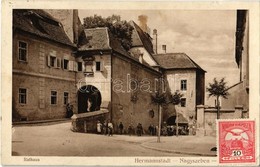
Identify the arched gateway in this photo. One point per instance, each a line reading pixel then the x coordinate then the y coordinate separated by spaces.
pixel 89 99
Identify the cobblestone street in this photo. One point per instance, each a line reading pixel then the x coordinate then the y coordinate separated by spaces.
pixel 59 140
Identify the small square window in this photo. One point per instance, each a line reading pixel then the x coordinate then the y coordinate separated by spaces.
pixel 65 98
pixel 98 66
pixel 22 51
pixel 22 96
pixel 65 64
pixel 53 97
pixel 183 84
pixel 183 102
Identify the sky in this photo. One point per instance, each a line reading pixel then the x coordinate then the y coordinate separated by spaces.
pixel 206 36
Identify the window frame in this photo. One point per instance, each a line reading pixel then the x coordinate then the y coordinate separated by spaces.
pixel 64 97
pixel 26 49
pixel 184 88
pixel 185 102
pixel 80 66
pixel 98 62
pixel 52 96
pixel 26 96
pixel 66 64
pixel 55 61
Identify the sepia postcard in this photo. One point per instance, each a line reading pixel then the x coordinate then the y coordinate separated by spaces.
pixel 141 83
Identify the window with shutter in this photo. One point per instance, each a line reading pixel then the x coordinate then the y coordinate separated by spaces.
pixel 61 63
pixel 71 65
pixel 58 62
pixel 49 61
pixel 102 66
pixel 65 64
pixel 75 66
pixel 53 61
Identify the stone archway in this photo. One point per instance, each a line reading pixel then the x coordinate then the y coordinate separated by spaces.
pixel 89 99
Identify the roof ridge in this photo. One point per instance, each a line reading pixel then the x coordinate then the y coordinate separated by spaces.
pixel 135 28
pixel 108 38
pixel 96 28
pixel 159 54
pixel 176 56
pixel 51 29
pixel 44 15
pixel 192 61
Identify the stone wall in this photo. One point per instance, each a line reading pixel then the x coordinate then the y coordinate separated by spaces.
pixel 132 107
pixel 87 122
pixel 239 95
pixel 206 120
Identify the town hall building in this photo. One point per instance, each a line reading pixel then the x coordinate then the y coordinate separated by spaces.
pixel 56 63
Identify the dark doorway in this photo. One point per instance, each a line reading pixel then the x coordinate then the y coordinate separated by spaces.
pixel 89 99
pixel 171 120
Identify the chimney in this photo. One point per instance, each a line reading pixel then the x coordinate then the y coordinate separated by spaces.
pixel 155 41
pixel 164 48
pixel 143 23
pixel 69 21
pixel 75 26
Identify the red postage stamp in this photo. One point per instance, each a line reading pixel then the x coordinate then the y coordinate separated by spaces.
pixel 236 141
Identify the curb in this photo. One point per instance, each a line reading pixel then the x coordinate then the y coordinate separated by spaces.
pixel 41 122
pixel 174 151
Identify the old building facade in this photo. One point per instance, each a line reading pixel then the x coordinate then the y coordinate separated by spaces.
pixel 183 75
pixel 56 63
pixel 43 75
pixel 118 76
pixel 239 92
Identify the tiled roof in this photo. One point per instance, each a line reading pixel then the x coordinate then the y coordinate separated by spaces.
pixel 101 38
pixel 40 23
pixel 140 38
pixel 176 61
pixel 95 39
